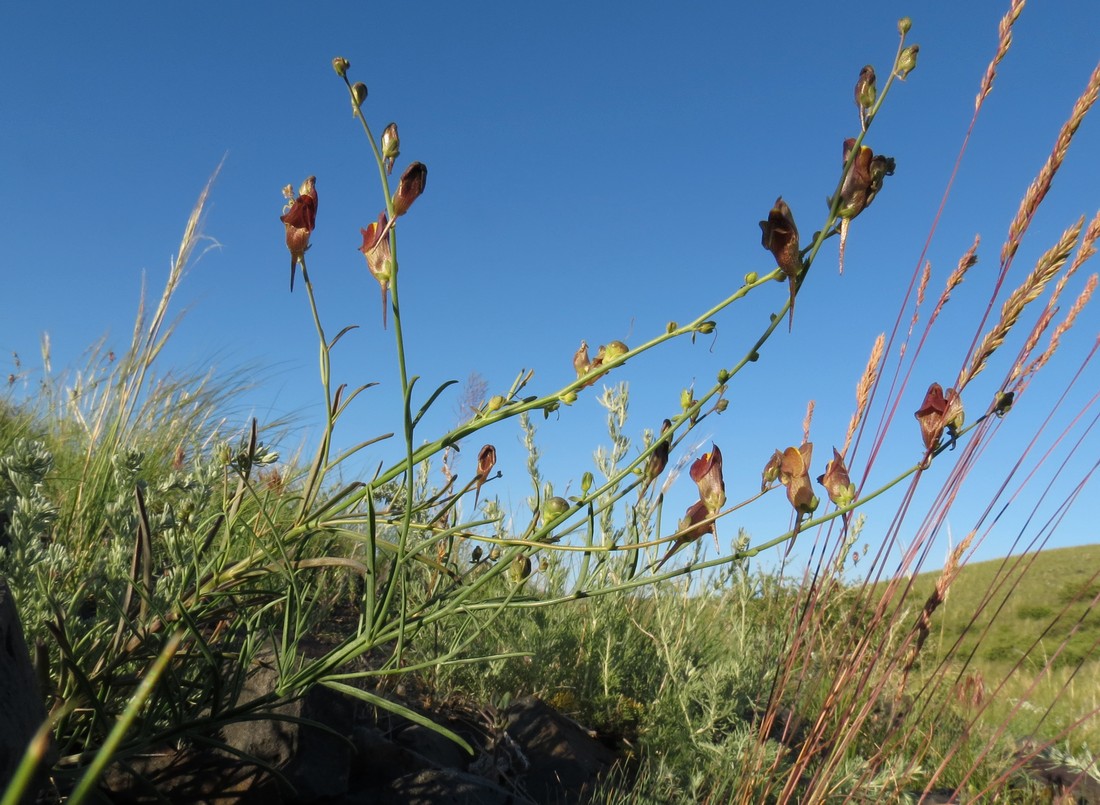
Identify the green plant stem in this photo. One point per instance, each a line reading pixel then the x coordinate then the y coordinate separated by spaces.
pixel 317 470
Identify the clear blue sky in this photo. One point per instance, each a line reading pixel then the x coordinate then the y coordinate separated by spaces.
pixel 595 170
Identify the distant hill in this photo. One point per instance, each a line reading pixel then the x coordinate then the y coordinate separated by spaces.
pixel 1034 597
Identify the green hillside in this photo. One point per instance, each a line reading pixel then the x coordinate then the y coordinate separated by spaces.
pixel 1047 596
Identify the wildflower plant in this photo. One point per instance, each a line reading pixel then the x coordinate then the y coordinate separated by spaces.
pixel 205 565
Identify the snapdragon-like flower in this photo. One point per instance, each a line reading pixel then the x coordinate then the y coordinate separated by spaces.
pixel 779 235
pixel 794 473
pixel 300 217
pixel 861 185
pixel 694 525
pixel 836 481
pixel 412 184
pixel 486 460
pixel 706 471
pixel 658 459
pixel 939 412
pixel 376 248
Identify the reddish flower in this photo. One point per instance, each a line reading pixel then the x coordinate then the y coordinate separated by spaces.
pixel 582 364
pixel 860 186
pixel 779 235
pixel 376 248
pixel 837 484
pixel 658 459
pixel 937 413
pixel 300 217
pixel 486 460
pixel 694 525
pixel 412 184
pixel 707 474
pixel 794 473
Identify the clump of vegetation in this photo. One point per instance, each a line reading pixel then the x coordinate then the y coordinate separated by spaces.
pixel 155 554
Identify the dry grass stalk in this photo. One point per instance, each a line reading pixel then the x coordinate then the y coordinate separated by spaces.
pixel 1004 30
pixel 806 422
pixel 1060 330
pixel 922 289
pixel 923 626
pixel 966 262
pixel 863 390
pixel 1084 252
pixel 1041 184
pixel 1030 290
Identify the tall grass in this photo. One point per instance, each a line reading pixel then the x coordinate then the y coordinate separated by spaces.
pixel 156 550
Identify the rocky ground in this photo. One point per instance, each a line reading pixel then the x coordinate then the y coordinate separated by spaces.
pixel 329 748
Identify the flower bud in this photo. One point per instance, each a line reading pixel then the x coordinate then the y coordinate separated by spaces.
pixel 586 483
pixel 391 146
pixel 520 569
pixel 751 277
pixel 907 61
pixel 721 405
pixel 494 553
pixel 496 402
pixel 670 328
pixel 554 507
pixel 904 24
pixel 706 328
pixel 723 376
pixel 613 350
pixel 686 399
pixel 770 474
pixel 358 93
pixel 866 92
pixel 341 65
pixel 569 397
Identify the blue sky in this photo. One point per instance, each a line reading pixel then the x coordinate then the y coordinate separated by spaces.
pixel 595 170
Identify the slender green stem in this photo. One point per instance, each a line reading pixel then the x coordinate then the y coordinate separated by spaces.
pixel 317 470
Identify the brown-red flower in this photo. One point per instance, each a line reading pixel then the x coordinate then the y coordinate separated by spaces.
pixel 486 460
pixel 938 412
pixel 412 184
pixel 706 471
pixel 300 218
pixel 794 473
pixel 694 525
pixel 836 481
pixel 779 235
pixel 376 248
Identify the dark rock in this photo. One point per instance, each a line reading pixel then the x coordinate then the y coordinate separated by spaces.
pixel 172 775
pixel 439 749
pixel 314 760
pixel 1067 784
pixel 21 707
pixel 565 762
pixel 443 787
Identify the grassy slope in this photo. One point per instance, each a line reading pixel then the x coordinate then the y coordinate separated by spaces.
pixel 1040 599
pixel 1025 594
